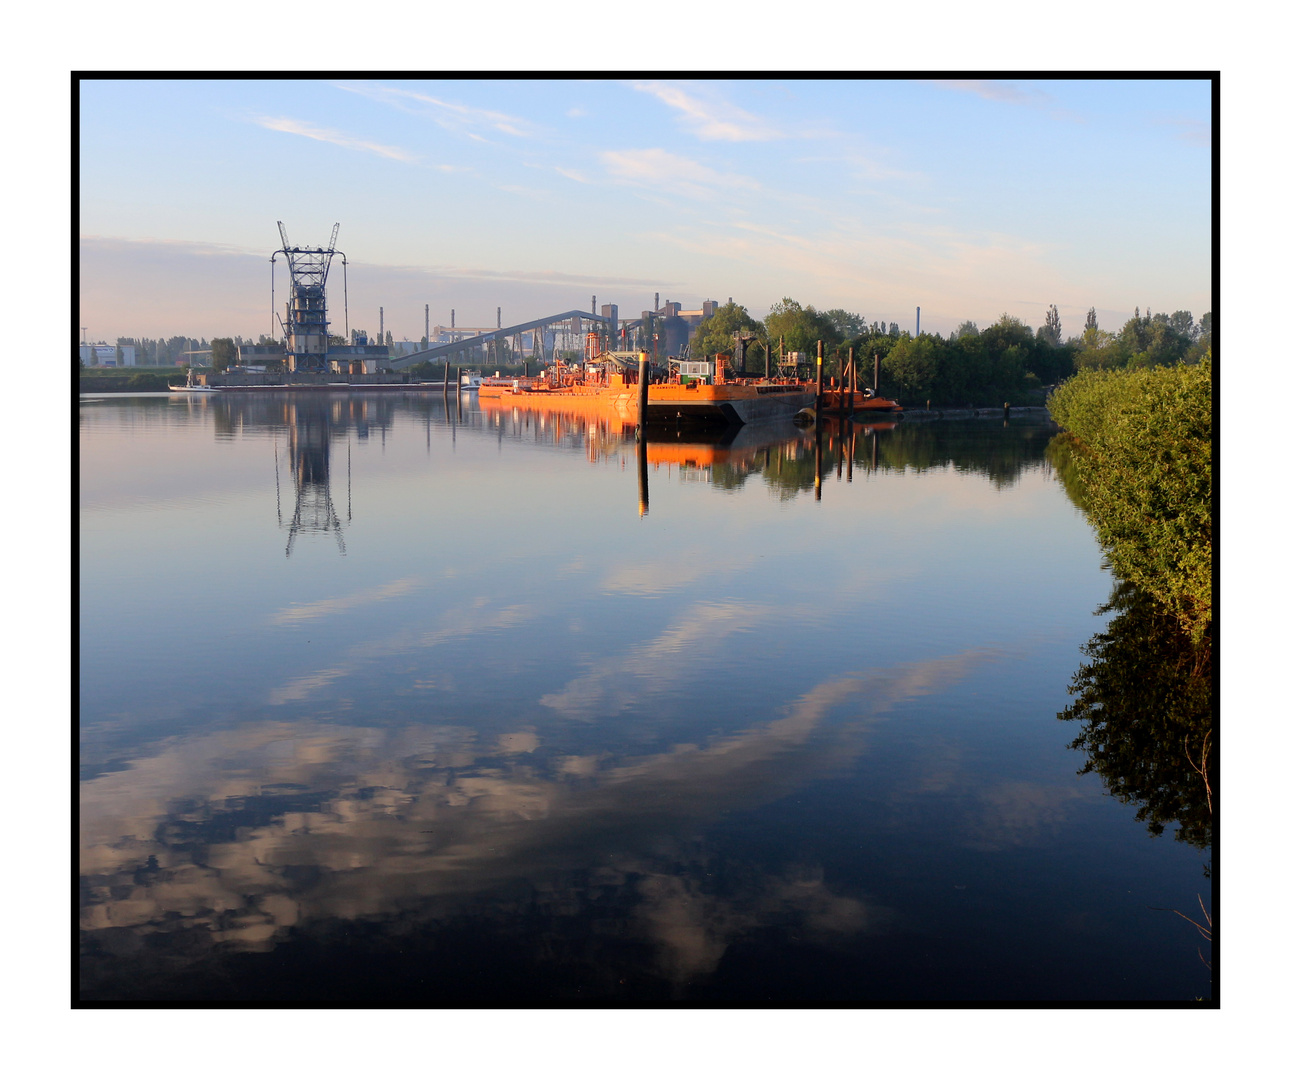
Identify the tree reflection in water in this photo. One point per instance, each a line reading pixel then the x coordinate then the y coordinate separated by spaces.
pixel 1144 705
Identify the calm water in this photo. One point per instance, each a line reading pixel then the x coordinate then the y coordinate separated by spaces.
pixel 384 700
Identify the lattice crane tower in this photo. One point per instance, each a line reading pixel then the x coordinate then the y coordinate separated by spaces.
pixel 305 328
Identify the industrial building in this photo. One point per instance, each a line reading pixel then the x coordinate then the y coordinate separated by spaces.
pixel 103 355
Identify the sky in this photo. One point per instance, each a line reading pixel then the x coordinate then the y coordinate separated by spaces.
pixel 966 198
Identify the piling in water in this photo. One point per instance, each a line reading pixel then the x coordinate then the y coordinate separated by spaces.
pixel 643 393
pixel 820 376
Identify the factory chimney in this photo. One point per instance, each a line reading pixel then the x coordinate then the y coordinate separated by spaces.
pixel 916 322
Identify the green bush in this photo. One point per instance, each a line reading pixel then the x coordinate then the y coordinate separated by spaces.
pixel 1144 440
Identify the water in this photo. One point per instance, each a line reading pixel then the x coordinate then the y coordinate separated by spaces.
pixel 383 699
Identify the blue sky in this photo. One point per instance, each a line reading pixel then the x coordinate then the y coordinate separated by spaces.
pixel 967 198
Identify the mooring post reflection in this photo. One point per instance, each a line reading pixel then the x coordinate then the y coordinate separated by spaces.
pixel 819 451
pixel 643 477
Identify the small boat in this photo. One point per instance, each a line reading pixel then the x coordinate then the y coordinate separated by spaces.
pixel 192 387
pixel 471 379
pixel 864 400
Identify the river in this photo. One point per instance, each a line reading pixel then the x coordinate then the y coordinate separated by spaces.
pixel 383 698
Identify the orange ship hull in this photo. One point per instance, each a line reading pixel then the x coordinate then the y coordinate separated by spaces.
pixel 666 403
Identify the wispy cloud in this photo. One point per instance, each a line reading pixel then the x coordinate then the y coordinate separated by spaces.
pixel 707 117
pixel 681 176
pixel 330 135
pixel 572 174
pixel 1009 94
pixel 1194 131
pixel 543 277
pixel 994 90
pixel 448 114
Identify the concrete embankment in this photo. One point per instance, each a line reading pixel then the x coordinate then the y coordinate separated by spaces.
pixel 1016 412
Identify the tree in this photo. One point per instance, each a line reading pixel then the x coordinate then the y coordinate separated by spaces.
pixel 847 323
pixel 1091 320
pixel 913 364
pixel 717 333
pixel 1052 330
pixel 223 353
pixel 800 327
pixel 965 329
pixel 1181 322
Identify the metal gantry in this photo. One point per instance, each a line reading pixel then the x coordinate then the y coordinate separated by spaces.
pixel 305 328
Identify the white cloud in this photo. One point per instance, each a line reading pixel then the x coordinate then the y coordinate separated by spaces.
pixel 663 169
pixel 709 118
pixel 448 114
pixel 328 135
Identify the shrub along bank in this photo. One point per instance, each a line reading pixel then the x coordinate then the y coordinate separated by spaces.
pixel 1142 442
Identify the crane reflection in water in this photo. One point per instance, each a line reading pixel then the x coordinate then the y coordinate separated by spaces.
pixel 309 435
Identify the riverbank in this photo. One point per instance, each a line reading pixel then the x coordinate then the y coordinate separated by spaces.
pixel 1029 412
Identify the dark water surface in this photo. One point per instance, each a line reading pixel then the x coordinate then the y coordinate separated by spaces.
pixel 383 701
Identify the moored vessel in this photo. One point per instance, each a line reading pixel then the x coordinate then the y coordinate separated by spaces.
pixel 696 393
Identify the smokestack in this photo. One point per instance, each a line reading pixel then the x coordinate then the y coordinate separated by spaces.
pixel 499 318
pixel 452 319
pixel 916 322
pixel 656 301
pixel 593 303
pixel 383 325
pixel 427 324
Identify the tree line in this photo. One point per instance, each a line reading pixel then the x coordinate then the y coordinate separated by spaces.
pixel 1007 361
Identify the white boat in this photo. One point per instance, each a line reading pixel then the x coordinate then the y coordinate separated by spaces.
pixel 192 387
pixel 470 380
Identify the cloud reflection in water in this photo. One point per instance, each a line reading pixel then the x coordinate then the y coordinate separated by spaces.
pixel 238 838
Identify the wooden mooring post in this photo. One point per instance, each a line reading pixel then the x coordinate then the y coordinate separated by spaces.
pixel 643 393
pixel 820 376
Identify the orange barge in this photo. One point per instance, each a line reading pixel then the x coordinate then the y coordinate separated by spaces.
pixel 698 394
